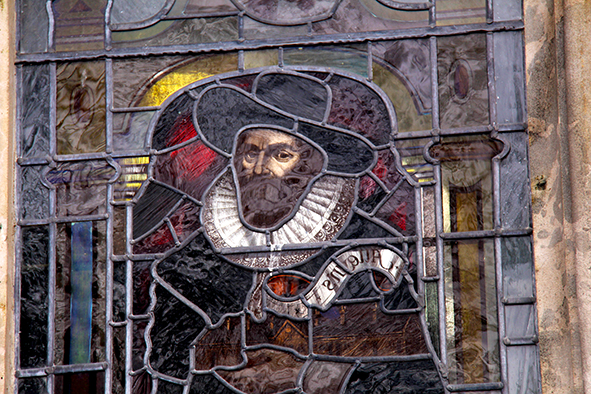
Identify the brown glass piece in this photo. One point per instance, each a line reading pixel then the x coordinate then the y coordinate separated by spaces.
pixel 80 107
pixel 267 371
pixel 273 170
pixel 79 24
pixel 278 331
pixel 220 346
pixel 81 187
pixel 463 81
pixel 326 377
pixel 362 330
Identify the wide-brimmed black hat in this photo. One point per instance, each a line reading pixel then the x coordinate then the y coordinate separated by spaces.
pixel 295 101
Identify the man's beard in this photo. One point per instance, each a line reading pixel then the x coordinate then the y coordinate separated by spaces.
pixel 266 201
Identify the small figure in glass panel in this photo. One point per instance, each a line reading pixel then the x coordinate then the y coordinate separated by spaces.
pixel 282 230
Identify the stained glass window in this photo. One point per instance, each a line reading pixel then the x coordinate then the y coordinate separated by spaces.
pixel 247 196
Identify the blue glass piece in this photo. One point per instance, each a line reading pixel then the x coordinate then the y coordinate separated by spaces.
pixel 523 369
pixel 34 26
pixel 507 10
pixel 34 297
pixel 34 110
pixel 32 386
pixel 515 188
pixel 81 298
pixel 520 321
pixel 508 62
pixel 517 267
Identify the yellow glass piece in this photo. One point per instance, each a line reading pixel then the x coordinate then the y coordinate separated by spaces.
pixel 382 11
pixel 187 74
pixel 135 177
pixel 136 160
pixel 409 118
pixel 460 12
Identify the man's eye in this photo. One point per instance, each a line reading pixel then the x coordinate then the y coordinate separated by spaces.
pixel 250 156
pixel 283 156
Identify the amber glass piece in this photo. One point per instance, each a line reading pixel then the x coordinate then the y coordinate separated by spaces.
pixel 471 307
pixel 466 181
pixel 79 24
pixel 463 81
pixel 81 266
pixel 460 12
pixel 80 107
pixel 363 330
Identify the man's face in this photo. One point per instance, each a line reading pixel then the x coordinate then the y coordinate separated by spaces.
pixel 273 170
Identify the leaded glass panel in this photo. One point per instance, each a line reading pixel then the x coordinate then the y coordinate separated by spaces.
pixel 246 196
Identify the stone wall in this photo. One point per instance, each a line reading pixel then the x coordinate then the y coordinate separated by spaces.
pixel 6 195
pixel 558 60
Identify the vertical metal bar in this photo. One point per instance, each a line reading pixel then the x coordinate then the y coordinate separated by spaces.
pixel 17 235
pixel 109 292
pixel 489 11
pixel 241 26
pixel 108 45
pixel 51 27
pixel 109 105
pixel 438 205
pixel 433 14
pixel 497 213
pixel 280 57
pixel 419 244
pixel 492 91
pixel 369 62
pixel 241 60
pixel 129 303
pixel 52 226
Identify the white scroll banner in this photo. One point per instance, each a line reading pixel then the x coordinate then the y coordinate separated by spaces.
pixel 334 277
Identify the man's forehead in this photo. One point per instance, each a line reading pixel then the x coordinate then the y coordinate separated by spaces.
pixel 265 137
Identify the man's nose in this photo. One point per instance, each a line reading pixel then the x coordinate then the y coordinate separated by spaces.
pixel 261 163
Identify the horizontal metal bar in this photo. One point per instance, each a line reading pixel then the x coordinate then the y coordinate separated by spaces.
pixel 533 340
pixel 341 38
pixel 199 16
pixel 430 278
pixel 61 369
pixel 485 234
pixel 519 300
pixel 133 109
pixel 475 386
pixel 68 219
pixel 377 359
pixel 131 153
pixel 33 161
pixel 512 127
pixel 316 245
pixel 443 132
pixel 81 156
